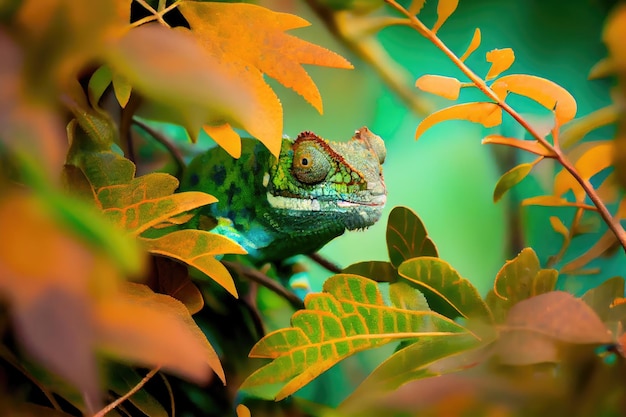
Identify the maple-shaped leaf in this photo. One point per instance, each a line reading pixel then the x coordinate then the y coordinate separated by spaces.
pixel 249 41
pixel 348 317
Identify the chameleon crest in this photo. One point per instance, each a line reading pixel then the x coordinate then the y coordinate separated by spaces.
pixel 313 192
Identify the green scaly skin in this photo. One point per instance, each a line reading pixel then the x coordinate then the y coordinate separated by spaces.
pixel 294 205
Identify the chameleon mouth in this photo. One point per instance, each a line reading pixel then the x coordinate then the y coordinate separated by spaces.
pixel 313 205
pixel 375 201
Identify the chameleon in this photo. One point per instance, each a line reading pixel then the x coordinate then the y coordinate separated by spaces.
pixel 276 208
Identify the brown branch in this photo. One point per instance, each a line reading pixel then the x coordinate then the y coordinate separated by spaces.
pixel 325 263
pixel 173 150
pixel 608 218
pixel 265 281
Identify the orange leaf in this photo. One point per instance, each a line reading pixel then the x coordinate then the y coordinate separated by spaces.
pixel 559 227
pixel 603 244
pixel 596 158
pixel 445 8
pixel 614 35
pixel 198 248
pixel 474 44
pixel 501 60
pixel 487 114
pixel 155 330
pixel 226 137
pixel 249 41
pixel 550 95
pixel 447 87
pixel 531 146
pixel 552 201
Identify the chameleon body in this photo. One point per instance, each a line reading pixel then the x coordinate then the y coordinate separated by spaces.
pixel 277 208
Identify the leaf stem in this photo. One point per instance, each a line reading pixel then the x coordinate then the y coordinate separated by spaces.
pixel 608 218
pixel 129 394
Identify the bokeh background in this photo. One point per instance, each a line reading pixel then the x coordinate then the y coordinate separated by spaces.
pixel 448 177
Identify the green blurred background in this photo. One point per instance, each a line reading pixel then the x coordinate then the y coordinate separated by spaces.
pixel 447 176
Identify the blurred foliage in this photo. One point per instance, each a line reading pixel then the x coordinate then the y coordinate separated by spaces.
pixel 102 290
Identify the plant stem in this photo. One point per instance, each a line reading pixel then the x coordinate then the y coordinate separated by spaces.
pixel 608 218
pixel 129 394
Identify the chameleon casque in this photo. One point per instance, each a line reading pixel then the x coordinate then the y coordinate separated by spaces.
pixel 277 208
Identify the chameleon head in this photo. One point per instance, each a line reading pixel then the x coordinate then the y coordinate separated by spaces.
pixel 321 182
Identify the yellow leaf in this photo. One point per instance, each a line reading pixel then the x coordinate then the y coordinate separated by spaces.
pixel 487 114
pixel 559 227
pixel 249 41
pixel 447 87
pixel 155 330
pixel 597 157
pixel 577 129
pixel 198 248
pixel 614 35
pixel 602 69
pixel 553 201
pixel 474 44
pixel 445 8
pixel 226 137
pixel 545 92
pixel 501 60
pixel 242 411
pixel 531 146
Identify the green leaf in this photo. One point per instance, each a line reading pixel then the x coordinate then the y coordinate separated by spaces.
pixel 601 297
pixel 122 379
pixel 137 218
pixel 517 280
pixel 121 88
pixel 446 291
pixel 414 362
pixel 402 295
pixel 105 168
pixel 98 83
pixel 407 237
pixel 198 248
pixel 349 316
pixel 510 179
pixel 146 187
pixel 379 271
pixel 534 327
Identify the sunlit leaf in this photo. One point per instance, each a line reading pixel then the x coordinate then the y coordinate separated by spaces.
pixel 416 6
pixel 407 237
pixel 226 138
pixel 474 44
pixel 146 187
pixel 545 92
pixel 531 146
pixel 403 296
pixel 519 279
pixel 379 271
pixel 445 8
pixel 446 291
pixel 509 179
pixel 553 201
pixel 349 316
pixel 487 114
pixel 155 330
pixel 262 47
pixel 606 242
pixel 198 248
pixel 139 217
pixel 501 60
pixel 446 87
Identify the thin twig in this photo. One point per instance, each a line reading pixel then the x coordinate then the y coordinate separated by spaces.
pixel 173 150
pixel 325 263
pixel 129 394
pixel 265 281
pixel 608 218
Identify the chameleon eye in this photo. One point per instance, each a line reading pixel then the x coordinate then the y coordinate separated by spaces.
pixel 310 165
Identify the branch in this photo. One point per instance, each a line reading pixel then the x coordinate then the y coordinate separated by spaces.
pixel 129 394
pixel 608 218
